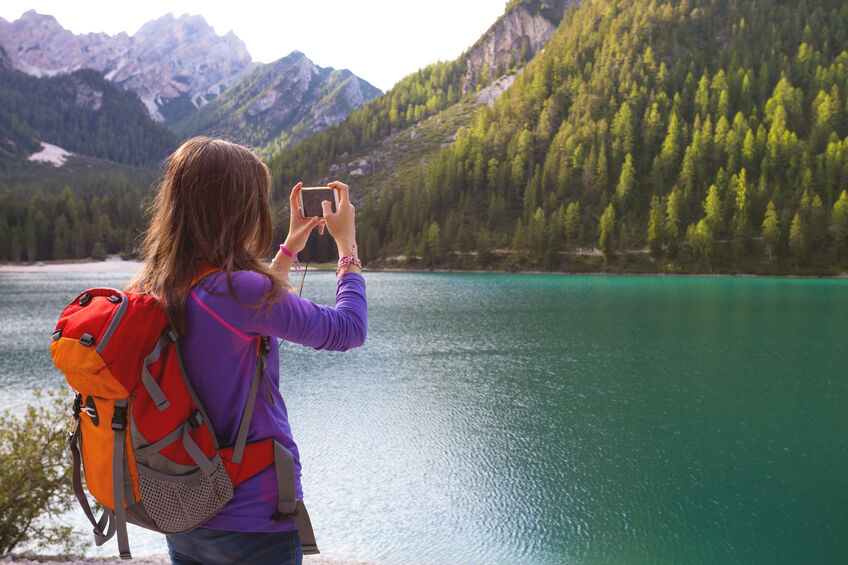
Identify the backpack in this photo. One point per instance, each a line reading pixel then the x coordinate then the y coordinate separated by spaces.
pixel 148 449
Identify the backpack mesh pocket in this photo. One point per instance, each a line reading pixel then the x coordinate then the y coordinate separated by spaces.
pixel 179 503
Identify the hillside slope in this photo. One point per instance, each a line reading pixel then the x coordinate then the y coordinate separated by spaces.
pixel 81 112
pixel 711 133
pixel 368 134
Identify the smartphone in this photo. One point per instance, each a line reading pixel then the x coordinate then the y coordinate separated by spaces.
pixel 309 200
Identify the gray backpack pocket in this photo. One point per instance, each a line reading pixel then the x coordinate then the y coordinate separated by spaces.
pixel 179 503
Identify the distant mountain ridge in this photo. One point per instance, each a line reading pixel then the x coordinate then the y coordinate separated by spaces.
pixel 178 66
pixel 281 103
pixel 175 65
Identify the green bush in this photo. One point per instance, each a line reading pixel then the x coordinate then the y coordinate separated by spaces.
pixel 35 476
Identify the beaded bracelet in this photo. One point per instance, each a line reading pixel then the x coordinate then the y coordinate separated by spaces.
pixel 346 261
pixel 293 256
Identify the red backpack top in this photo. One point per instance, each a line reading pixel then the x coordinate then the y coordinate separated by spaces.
pixel 149 451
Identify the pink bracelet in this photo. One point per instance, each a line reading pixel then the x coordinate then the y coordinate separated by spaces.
pixel 293 256
pixel 346 261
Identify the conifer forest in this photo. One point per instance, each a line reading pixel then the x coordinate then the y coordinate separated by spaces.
pixel 647 136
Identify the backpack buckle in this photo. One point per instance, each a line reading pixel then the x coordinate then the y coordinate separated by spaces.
pixel 172 335
pixel 77 406
pixel 119 420
pixel 90 408
pixel 195 420
pixel 280 517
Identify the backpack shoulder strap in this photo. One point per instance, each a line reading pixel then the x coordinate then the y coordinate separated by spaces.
pixel 247 414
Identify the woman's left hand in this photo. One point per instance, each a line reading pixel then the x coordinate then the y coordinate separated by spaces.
pixel 300 227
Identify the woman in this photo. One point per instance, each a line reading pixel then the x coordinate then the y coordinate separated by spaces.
pixel 212 212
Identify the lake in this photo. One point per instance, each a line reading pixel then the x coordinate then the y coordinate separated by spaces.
pixel 549 419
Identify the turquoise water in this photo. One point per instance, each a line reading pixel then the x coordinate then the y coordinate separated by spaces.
pixel 550 419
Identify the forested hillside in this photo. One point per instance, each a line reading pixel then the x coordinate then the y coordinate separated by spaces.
pixel 81 112
pixel 647 135
pixel 685 135
pixel 86 208
pixel 413 100
pixel 89 206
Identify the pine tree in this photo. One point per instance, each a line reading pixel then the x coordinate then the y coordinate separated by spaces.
pixel 741 222
pixel 519 237
pixel 771 231
pixel 626 180
pixel 797 246
pixel 537 237
pixel 818 226
pixel 655 227
pixel 572 221
pixel 839 224
pixel 702 96
pixel 622 132
pixel 607 237
pixel 670 152
pixel 672 222
pixel 702 240
pixel 431 248
pixel 712 209
pixel 749 150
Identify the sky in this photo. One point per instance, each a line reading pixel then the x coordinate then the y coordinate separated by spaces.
pixel 381 41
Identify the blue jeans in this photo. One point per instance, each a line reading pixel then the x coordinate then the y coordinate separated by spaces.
pixel 212 547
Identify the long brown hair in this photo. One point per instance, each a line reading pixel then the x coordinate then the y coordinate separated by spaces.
pixel 212 208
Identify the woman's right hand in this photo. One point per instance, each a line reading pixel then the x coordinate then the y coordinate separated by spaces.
pixel 299 227
pixel 341 223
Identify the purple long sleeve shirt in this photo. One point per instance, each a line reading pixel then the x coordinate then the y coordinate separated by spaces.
pixel 220 356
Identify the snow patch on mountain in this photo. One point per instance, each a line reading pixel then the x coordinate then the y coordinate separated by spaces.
pixel 52 154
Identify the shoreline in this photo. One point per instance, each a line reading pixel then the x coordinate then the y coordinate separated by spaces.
pixel 114 264
pixel 161 559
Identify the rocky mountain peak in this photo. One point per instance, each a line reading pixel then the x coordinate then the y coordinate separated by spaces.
pixel 174 64
pixel 44 21
pixel 514 38
pixel 280 103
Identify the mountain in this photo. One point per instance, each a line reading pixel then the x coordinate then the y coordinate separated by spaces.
pixel 488 66
pixel 175 65
pixel 646 135
pixel 382 145
pixel 80 112
pixel 516 36
pixel 280 103
pixel 73 101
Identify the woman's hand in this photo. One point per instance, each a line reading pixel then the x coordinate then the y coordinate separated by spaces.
pixel 299 227
pixel 341 223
